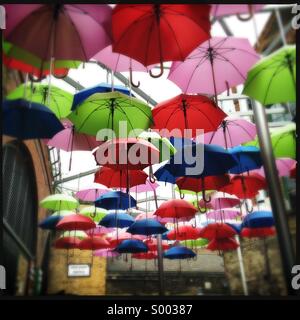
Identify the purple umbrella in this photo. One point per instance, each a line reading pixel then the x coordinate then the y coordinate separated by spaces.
pixel 215 66
pixel 90 195
pixel 119 62
pixel 231 133
pixel 147 187
pixel 218 10
pixel 227 214
pixel 284 166
pixel 60 31
pixel 105 253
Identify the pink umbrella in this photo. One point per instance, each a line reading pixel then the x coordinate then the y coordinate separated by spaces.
pixel 119 62
pixel 220 215
pixel 220 202
pixel 218 10
pixel 231 133
pixel 215 66
pixel 105 253
pixel 99 231
pixel 284 166
pixel 90 195
pixel 147 187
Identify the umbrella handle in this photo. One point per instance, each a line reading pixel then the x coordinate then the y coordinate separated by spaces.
pixel 247 207
pixel 247 18
pixel 181 195
pixel 32 79
pixel 152 178
pixel 62 76
pixel 160 73
pixel 194 225
pixel 206 200
pixel 131 81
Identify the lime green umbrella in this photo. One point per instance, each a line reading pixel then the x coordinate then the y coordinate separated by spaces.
pixel 199 243
pixel 74 233
pixel 106 110
pixel 63 213
pixel 58 202
pixel 165 147
pixel 273 78
pixel 95 213
pixel 60 101
pixel 283 141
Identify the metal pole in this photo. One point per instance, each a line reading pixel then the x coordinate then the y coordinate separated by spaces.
pixel 241 264
pixel 280 26
pixel 276 196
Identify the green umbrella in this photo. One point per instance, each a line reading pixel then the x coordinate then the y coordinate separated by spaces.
pixel 17 53
pixel 106 110
pixel 283 141
pixel 199 243
pixel 59 202
pixel 60 101
pixel 165 147
pixel 273 78
pixel 63 213
pixel 95 213
pixel 74 233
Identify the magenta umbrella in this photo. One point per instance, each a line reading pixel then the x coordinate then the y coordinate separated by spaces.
pixel 224 214
pixel 105 253
pixel 284 166
pixel 231 133
pixel 146 187
pixel 218 10
pixel 99 231
pixel 120 63
pixel 215 66
pixel 90 195
pixel 220 202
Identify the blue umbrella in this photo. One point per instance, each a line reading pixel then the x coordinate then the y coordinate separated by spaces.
pixel 215 161
pixel 80 96
pixel 179 253
pixel 131 246
pixel 236 226
pixel 117 220
pixel 29 120
pixel 147 227
pixel 248 158
pixel 115 200
pixel 50 222
pixel 258 219
pixel 164 175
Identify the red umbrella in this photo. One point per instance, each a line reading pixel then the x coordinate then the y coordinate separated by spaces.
pixel 75 222
pixel 153 33
pixel 258 232
pixel 217 231
pixel 67 243
pixel 145 255
pixel 176 208
pixel 127 153
pixel 152 244
pixel 225 244
pixel 187 112
pixel 93 243
pixel 184 233
pixel 120 178
pixel 245 187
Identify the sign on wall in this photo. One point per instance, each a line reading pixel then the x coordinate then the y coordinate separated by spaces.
pixel 79 270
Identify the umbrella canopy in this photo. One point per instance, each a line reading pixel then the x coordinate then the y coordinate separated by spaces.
pixel 179 253
pixel 115 200
pixel 145 187
pixel 63 30
pixel 120 178
pixel 59 202
pixel 28 120
pixel 174 116
pixel 199 243
pixel 215 66
pixel 293 172
pixel 258 232
pixel 153 33
pixel 106 110
pixel 75 233
pixel 231 133
pixel 152 244
pixel 273 78
pixel 127 154
pixel 150 255
pixel 163 174
pixel 217 231
pixel 75 222
pixel 99 231
pixel 226 244
pixel 220 202
pixel 219 10
pixel 131 246
pixel 258 219
pixel 236 226
pixel 245 187
pixel 283 165
pixel 147 227
pixel 95 213
pixel 67 243
pixel 90 195
pixel 176 208
pixel 50 222
pixel 247 158
pixel 93 243
pixel 59 100
pixel 117 220
pixel 224 214
pixel 105 253
pixel 184 233
pixel 103 87
pixel 117 237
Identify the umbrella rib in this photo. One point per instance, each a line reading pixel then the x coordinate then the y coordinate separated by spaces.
pixel 243 128
pixel 198 109
pixel 86 119
pixel 169 118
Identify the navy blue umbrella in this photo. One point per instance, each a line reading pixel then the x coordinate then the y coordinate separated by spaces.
pixel 147 227
pixel 131 246
pixel 164 175
pixel 117 220
pixel 115 200
pixel 50 222
pixel 29 120
pixel 179 253
pixel 203 159
pixel 248 158
pixel 258 219
pixel 80 96
pixel 236 226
